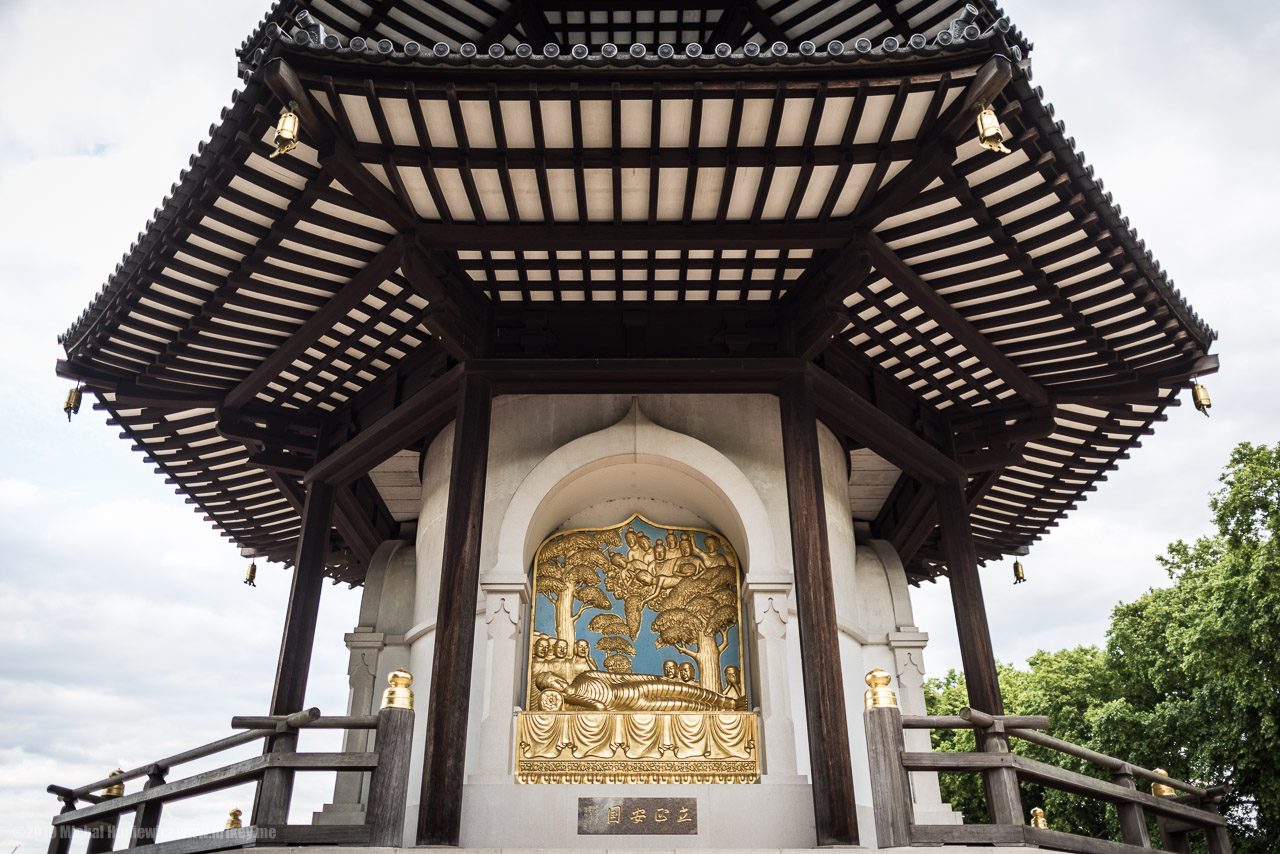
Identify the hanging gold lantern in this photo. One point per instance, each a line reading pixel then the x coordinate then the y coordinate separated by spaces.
pixel 989 133
pixel 1019 573
pixel 72 406
pixel 251 576
pixel 1200 397
pixel 286 130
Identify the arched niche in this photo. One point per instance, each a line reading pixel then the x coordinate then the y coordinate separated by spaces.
pixel 632 466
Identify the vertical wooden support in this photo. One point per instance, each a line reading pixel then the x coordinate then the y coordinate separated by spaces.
pixel 60 837
pixel 389 788
pixel 440 806
pixel 275 792
pixel 1173 841
pixel 1133 821
pixel 304 601
pixel 976 653
pixel 1217 838
pixel 1004 801
pixel 890 787
pixel 103 833
pixel 835 819
pixel 146 820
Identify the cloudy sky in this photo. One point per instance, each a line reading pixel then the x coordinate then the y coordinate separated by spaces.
pixel 127 633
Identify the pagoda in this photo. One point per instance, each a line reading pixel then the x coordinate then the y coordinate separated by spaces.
pixel 637 358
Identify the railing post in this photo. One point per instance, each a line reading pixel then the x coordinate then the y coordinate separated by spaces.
pixel 147 819
pixel 1004 801
pixel 1133 820
pixel 276 790
pixel 1175 841
pixel 103 833
pixel 1219 841
pixel 890 786
pixel 60 836
pixel 389 788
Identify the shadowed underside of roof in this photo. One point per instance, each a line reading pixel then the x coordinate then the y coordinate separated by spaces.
pixel 1004 296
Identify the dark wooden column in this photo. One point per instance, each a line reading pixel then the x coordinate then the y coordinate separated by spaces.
pixel 304 601
pixel 835 820
pixel 440 807
pixel 976 653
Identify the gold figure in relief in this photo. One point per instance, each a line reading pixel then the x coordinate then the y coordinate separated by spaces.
pixel 605 704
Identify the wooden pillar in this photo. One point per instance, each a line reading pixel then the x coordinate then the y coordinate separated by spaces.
pixel 1133 820
pixel 976 653
pixel 389 788
pixel 836 821
pixel 304 601
pixel 890 786
pixel 440 806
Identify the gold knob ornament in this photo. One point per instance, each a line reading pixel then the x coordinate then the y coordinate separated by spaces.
pixel 399 695
pixel 115 790
pixel 880 695
pixel 234 821
pixel 1160 790
pixel 1038 820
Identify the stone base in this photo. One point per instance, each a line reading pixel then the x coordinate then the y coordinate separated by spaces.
pixel 339 814
pixel 777 816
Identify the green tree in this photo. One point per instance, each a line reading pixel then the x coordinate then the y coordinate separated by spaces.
pixel 1189 679
pixel 569 571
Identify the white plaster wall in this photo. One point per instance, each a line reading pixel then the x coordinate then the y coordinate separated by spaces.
pixel 561 461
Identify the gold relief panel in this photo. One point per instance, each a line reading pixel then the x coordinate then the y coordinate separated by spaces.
pixel 635 663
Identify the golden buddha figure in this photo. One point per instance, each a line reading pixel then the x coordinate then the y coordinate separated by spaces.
pixel 599 691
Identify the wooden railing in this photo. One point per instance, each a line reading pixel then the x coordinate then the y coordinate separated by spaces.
pixel 273 771
pixel 1177 816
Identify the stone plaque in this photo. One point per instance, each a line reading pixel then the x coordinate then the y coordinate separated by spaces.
pixel 638 816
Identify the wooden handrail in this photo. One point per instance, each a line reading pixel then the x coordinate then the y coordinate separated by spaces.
pixel 1105 761
pixel 333 722
pixel 957 722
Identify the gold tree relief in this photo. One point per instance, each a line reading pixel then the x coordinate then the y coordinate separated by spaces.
pixel 695 616
pixel 569 572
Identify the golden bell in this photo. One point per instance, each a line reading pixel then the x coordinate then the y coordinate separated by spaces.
pixel 116 790
pixel 399 695
pixel 879 695
pixel 234 821
pixel 1199 396
pixel 1019 574
pixel 251 576
pixel 286 130
pixel 1160 790
pixel 989 133
pixel 1037 819
pixel 72 406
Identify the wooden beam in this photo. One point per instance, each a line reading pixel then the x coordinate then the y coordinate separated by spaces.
pixel 861 420
pixel 938 155
pixel 976 653
pixel 304 602
pixel 423 412
pixel 321 323
pixel 336 156
pixel 835 819
pixel 458 315
pixel 638 236
pixel 444 757
pixel 816 312
pixel 934 305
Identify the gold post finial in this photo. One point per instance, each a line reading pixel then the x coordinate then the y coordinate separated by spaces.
pixel 1038 820
pixel 399 695
pixel 234 821
pixel 1160 790
pixel 880 695
pixel 116 790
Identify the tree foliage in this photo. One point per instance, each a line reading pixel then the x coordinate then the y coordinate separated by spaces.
pixel 1189 679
